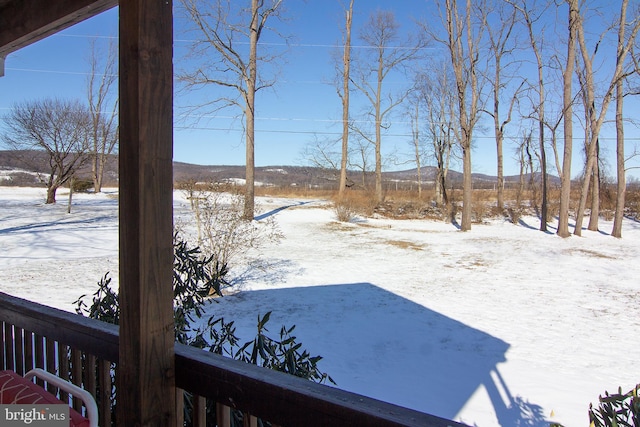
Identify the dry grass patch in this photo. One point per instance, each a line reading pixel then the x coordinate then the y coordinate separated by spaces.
pixel 339 226
pixel 403 244
pixel 591 253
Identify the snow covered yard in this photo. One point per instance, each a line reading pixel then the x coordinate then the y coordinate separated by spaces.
pixel 503 325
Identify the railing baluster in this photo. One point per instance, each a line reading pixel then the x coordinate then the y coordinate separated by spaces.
pixel 63 368
pixel 249 420
pixel 76 374
pixel 179 407
pixel 223 414
pixel 50 346
pixel 199 411
pixel 2 350
pixel 38 350
pixel 90 374
pixel 104 401
pixel 28 351
pixel 8 346
pixel 19 344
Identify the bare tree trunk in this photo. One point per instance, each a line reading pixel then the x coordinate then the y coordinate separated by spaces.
pixel 541 113
pixel 585 77
pixel 378 131
pixel 586 182
pixel 51 195
pixel 464 64
pixel 595 193
pixel 532 182
pixel 565 191
pixel 499 38
pixel 438 98
pixel 621 186
pixel 104 128
pixel 346 66
pixel 96 173
pixel 378 174
pixel 467 189
pixel 523 168
pixel 249 196
pixel 221 30
pixel 415 133
pixel 544 204
pixel 71 182
pixel 623 47
pixel 500 161
pixel 438 187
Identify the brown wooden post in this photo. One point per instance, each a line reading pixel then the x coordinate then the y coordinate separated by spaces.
pixel 145 374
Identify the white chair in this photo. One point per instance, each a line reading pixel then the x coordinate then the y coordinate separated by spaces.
pixel 86 397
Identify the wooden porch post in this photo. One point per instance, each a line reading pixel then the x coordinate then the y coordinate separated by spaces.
pixel 146 375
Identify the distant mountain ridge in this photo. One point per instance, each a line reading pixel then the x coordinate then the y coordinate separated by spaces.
pixel 25 167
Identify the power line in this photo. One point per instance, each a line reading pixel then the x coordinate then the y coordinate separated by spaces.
pixel 281 44
pixel 34 70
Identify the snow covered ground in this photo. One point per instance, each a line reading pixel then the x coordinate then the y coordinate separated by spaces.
pixel 499 326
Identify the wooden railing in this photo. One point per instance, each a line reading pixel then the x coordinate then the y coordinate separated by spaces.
pixel 85 351
pixel 74 348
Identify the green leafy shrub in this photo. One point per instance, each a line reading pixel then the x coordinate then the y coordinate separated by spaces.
pixel 617 410
pixel 193 282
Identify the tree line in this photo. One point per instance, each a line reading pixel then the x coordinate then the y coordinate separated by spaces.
pixel 477 73
pixel 532 72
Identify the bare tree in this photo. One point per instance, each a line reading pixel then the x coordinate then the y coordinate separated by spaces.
pixel 501 44
pixel 380 34
pixel 525 160
pixel 103 109
pixel 596 118
pixel 57 127
pixel 463 36
pixel 539 110
pixel 344 97
pixel 621 184
pixel 567 103
pixel 588 110
pixel 322 153
pixel 414 115
pixel 620 151
pixel 438 100
pixel 223 30
pixel 362 152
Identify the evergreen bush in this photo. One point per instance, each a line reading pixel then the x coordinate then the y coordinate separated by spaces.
pixel 617 410
pixel 192 285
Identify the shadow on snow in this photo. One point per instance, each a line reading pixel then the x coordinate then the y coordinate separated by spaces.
pixel 275 211
pixel 376 341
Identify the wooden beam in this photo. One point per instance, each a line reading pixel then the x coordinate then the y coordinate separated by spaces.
pixel 146 374
pixel 23 22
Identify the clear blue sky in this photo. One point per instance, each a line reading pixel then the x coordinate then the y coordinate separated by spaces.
pixel 301 108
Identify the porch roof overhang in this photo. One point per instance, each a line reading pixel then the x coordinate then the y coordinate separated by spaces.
pixel 23 22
